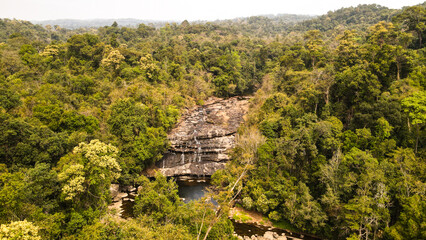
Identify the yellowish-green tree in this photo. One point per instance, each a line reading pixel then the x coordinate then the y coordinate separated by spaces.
pixel 19 230
pixel 150 67
pixel 88 172
pixel 113 59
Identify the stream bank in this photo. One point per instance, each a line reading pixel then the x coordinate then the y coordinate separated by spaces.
pixel 194 188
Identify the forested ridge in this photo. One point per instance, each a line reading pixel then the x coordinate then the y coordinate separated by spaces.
pixel 333 144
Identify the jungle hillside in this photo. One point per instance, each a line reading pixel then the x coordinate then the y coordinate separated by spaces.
pixel 333 143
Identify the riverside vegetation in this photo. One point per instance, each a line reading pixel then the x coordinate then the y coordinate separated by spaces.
pixel 333 144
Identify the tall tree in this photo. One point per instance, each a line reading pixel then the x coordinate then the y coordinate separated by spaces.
pixel 415 106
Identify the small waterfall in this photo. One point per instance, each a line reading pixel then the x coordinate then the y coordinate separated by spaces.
pixel 182 156
pixel 201 123
pixel 200 141
pixel 197 157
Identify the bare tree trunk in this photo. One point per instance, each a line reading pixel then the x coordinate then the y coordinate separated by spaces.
pixel 420 38
pixel 201 227
pixel 219 211
pixel 327 95
pixel 417 137
pixel 207 232
pixel 398 70
pixel 374 234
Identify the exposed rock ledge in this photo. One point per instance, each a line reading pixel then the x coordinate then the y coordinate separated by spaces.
pixel 188 169
pixel 267 236
pixel 200 143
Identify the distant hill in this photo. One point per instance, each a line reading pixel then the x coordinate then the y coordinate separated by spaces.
pixel 95 23
pixel 360 17
pixel 265 24
pixel 271 22
pixel 20 28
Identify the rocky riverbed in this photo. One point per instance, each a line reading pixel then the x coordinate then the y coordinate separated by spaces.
pixel 123 200
pixel 267 236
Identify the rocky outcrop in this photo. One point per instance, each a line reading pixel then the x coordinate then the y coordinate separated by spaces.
pixel 267 236
pixel 200 143
pixel 122 200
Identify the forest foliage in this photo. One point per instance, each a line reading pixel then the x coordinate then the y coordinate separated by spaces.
pixel 334 142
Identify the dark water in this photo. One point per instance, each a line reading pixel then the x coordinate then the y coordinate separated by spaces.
pixel 192 189
pixel 127 208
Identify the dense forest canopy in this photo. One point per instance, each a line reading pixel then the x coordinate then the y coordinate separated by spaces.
pixel 333 145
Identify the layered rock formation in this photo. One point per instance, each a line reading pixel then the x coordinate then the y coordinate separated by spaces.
pixel 201 141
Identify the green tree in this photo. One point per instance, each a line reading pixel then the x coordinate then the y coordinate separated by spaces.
pixel 367 210
pixel 158 199
pixel 413 19
pixel 141 132
pixel 9 99
pixel 415 106
pixel 411 221
pixel 348 52
pixel 315 46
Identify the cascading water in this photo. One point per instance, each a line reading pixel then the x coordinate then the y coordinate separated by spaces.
pixel 200 143
pixel 197 157
pixel 183 156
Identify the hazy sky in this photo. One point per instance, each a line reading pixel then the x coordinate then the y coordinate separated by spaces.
pixel 175 9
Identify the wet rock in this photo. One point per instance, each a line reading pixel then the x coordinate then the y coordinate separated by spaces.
pixel 116 207
pixel 269 235
pixel 199 169
pixel 119 196
pixel 200 143
pixel 127 188
pixel 114 189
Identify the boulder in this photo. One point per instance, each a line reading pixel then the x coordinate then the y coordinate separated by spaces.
pixel 120 196
pixel 269 235
pixel 114 190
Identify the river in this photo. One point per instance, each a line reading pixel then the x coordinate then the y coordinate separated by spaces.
pixel 195 188
pixel 192 189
